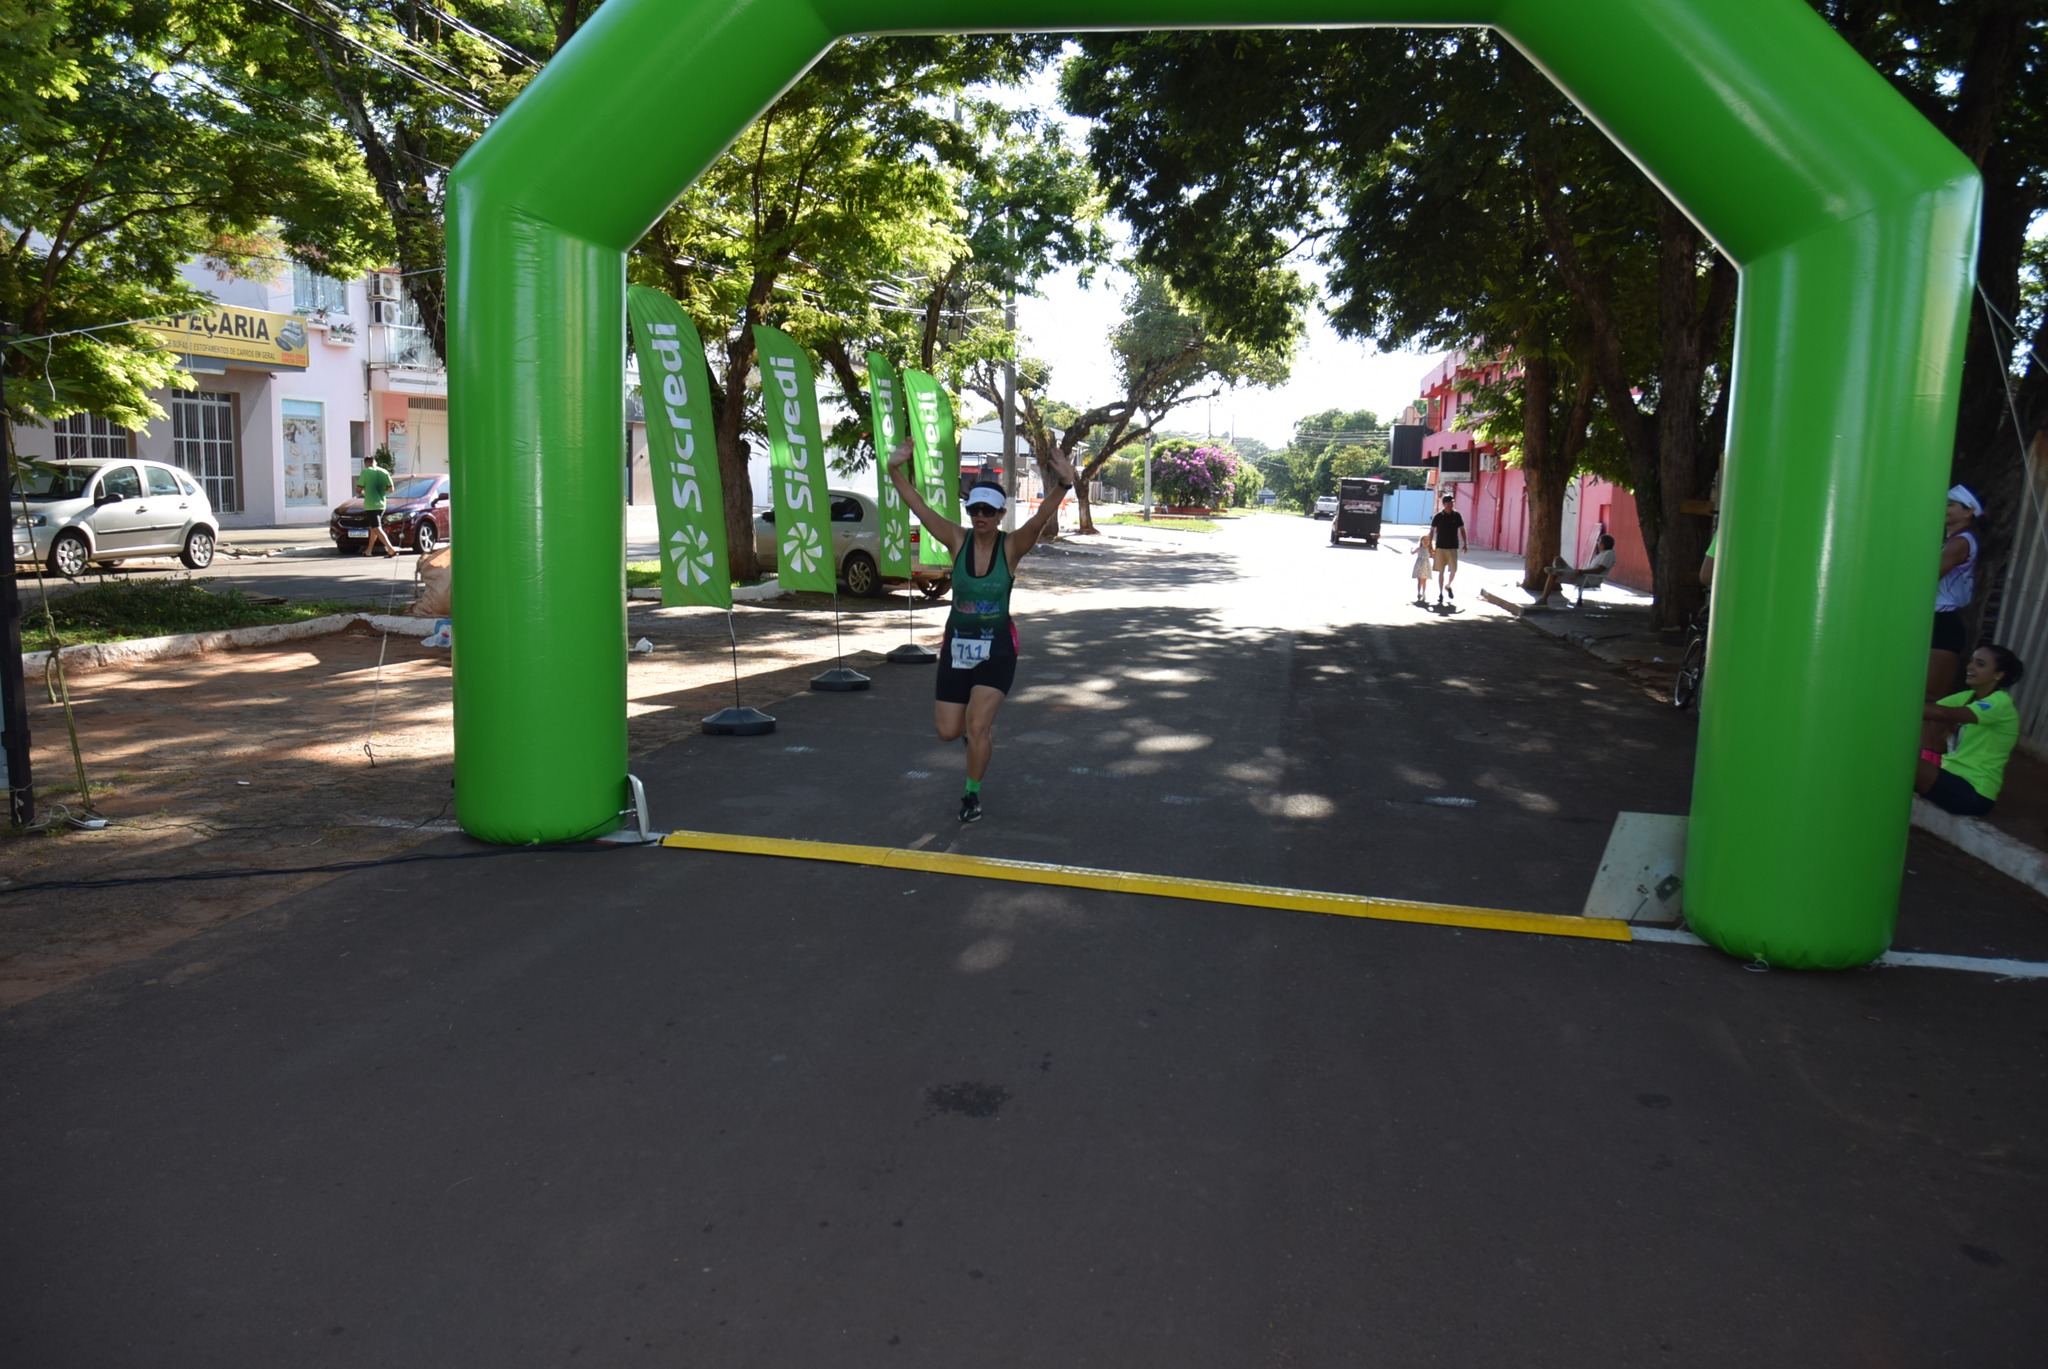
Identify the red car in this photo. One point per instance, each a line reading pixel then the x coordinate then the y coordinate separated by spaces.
pixel 415 516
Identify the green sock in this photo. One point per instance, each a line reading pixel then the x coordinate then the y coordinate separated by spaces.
pixel 974 786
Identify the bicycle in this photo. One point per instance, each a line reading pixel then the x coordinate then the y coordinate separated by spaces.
pixel 1692 666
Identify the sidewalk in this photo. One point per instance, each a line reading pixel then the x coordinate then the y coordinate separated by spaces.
pixel 305 539
pixel 643 537
pixel 1614 626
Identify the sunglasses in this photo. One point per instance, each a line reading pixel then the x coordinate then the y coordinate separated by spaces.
pixel 983 511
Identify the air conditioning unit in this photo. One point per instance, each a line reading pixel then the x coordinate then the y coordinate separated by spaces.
pixel 383 285
pixel 384 311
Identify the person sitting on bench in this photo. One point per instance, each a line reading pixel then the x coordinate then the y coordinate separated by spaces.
pixel 1589 576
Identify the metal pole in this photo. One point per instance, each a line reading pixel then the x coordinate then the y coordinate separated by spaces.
pixel 14 746
pixel 1148 475
pixel 1010 414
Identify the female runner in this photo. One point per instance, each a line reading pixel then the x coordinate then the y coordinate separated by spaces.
pixel 978 658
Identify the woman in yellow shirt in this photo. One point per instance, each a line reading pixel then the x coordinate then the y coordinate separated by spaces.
pixel 1983 726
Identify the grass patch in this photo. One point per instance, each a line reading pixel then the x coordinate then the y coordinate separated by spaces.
pixel 158 608
pixel 1137 520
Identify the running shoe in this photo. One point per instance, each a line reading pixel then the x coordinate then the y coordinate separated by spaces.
pixel 970 808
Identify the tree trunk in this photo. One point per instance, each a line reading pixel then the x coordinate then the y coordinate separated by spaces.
pixel 1547 477
pixel 1693 314
pixel 729 415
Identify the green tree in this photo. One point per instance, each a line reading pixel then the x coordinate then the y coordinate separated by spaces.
pixel 1166 356
pixel 412 85
pixel 848 187
pixel 122 158
pixel 1454 196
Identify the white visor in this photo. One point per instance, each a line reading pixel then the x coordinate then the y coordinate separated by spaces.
pixel 986 497
pixel 1961 495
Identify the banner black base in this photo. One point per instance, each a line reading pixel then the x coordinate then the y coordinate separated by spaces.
pixel 840 680
pixel 910 653
pixel 739 722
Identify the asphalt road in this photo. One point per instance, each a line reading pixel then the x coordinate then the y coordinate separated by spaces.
pixel 651 1106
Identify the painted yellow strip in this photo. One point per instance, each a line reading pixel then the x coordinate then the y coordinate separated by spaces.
pixel 1164 886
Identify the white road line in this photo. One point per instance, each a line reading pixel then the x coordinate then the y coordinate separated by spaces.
pixel 1916 960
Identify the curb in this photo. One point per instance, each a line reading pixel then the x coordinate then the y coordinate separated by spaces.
pixel 1554 622
pixel 234 553
pixel 769 588
pixel 2007 855
pixel 97 654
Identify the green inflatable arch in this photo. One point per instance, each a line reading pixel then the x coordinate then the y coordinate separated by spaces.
pixel 1853 222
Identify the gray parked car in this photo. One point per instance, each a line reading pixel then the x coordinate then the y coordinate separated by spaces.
pixel 856 531
pixel 80 512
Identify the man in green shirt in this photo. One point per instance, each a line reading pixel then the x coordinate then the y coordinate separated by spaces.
pixel 375 486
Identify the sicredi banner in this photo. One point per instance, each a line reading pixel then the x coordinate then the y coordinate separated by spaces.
pixel 885 394
pixel 937 456
pixel 796 460
pixel 682 453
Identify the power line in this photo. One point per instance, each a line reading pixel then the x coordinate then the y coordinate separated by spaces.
pixel 467 102
pixel 490 40
pixel 402 37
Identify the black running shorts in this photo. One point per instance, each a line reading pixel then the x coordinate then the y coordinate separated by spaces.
pixel 955 686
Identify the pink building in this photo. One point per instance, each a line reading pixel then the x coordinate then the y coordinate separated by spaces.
pixel 1494 498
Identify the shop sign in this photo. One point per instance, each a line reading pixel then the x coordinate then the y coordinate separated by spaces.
pixel 275 342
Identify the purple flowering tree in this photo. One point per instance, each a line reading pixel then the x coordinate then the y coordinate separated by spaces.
pixel 1195 477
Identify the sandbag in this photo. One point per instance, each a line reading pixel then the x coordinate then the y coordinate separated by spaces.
pixel 434 584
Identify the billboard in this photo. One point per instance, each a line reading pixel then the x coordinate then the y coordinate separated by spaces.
pixel 1404 447
pixel 273 342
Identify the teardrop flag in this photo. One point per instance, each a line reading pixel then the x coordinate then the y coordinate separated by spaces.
pixel 689 498
pixel 885 396
pixel 937 456
pixel 796 458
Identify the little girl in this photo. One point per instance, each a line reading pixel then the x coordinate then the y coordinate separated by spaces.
pixel 1421 570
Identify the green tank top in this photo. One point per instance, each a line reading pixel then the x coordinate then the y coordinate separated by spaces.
pixel 981 603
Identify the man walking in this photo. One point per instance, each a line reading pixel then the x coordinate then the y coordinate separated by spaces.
pixel 1447 536
pixel 375 483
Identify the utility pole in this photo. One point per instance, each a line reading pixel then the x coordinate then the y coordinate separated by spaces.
pixel 14 748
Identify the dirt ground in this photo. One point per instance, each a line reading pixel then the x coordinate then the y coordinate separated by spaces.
pixel 317 752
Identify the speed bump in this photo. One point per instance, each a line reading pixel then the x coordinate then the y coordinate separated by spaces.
pixel 1162 886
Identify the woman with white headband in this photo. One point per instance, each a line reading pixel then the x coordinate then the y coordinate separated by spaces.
pixel 978 658
pixel 1957 587
pixel 1952 596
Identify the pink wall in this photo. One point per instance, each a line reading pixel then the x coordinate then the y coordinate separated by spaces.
pixel 1496 510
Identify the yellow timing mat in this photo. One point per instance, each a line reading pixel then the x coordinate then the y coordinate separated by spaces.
pixel 1165 886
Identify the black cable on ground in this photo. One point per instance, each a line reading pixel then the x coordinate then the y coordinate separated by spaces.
pixel 575 846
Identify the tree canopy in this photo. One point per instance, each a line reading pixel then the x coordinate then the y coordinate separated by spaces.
pixel 1458 200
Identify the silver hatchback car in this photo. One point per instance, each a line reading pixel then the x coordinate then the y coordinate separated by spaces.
pixel 75 513
pixel 856 539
